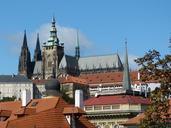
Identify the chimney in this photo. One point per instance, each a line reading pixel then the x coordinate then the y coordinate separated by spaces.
pixel 138 75
pixel 25 97
pixel 79 98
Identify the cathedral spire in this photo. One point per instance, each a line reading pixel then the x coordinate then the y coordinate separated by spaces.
pixel 38 43
pixel 24 60
pixel 77 48
pixel 37 51
pixel 126 75
pixel 24 40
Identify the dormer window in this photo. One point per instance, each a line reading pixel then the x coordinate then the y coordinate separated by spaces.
pixel 34 104
pixel 3 118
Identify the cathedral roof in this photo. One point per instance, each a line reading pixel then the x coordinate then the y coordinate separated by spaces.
pixel 100 62
pixel 68 61
pixel 86 63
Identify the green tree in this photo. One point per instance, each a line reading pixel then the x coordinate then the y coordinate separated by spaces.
pixel 155 68
pixel 4 99
pixel 66 97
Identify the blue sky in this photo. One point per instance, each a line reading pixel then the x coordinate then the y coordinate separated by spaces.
pixel 103 26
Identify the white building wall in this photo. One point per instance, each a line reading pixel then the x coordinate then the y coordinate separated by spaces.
pixel 14 89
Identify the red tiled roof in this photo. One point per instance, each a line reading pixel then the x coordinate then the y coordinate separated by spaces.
pixel 116 99
pixel 74 110
pixel 43 104
pixel 134 121
pixel 63 80
pixel 72 79
pixel 5 113
pixel 108 77
pixel 11 105
pixel 8 109
pixel 49 114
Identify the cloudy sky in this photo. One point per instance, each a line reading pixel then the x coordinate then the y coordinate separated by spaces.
pixel 103 27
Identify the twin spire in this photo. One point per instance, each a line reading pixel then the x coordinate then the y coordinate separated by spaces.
pixel 37 51
pixel 53 40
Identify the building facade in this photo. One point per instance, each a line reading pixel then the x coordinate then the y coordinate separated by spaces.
pixel 112 111
pixel 13 85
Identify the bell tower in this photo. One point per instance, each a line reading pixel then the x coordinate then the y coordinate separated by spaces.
pixel 52 54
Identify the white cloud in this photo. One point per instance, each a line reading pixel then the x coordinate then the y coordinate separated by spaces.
pixel 66 35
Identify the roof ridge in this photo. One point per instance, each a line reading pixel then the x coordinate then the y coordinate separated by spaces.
pixel 99 55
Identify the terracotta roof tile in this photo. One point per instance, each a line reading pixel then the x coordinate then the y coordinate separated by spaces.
pixel 116 99
pixel 50 115
pixel 108 77
pixel 135 121
pixel 8 109
pixel 72 79
pixel 74 110
pixel 43 104
pixel 5 113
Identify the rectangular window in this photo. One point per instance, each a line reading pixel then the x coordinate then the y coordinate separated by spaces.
pixel 97 107
pixel 116 106
pixel 106 107
pixel 88 108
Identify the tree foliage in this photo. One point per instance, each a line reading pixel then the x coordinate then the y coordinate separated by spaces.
pixel 66 97
pixel 4 99
pixel 157 69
